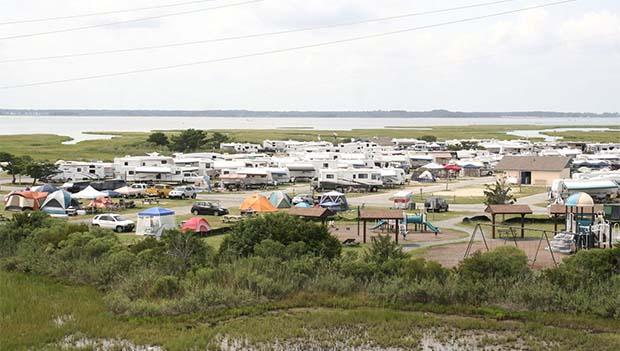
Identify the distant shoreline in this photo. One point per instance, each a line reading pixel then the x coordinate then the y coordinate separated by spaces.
pixel 299 114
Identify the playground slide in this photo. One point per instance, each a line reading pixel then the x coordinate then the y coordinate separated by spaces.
pixel 379 225
pixel 431 227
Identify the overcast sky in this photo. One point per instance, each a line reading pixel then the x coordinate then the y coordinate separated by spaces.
pixel 563 58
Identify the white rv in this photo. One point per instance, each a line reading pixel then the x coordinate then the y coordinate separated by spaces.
pixel 348 179
pixel 70 171
pixel 393 176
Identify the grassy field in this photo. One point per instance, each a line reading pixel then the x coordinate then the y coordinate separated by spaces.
pixel 39 313
pixel 50 147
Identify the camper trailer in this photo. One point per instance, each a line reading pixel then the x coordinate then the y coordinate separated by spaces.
pixel 601 191
pixel 392 177
pixel 246 178
pixel 69 171
pixel 368 179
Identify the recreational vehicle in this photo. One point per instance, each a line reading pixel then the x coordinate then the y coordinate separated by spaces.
pixel 69 171
pixel 348 179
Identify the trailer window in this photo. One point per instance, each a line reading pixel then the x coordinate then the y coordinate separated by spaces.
pixel 363 176
pixel 329 176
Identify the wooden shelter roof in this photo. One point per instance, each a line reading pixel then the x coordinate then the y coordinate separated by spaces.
pixel 381 214
pixel 509 209
pixel 313 212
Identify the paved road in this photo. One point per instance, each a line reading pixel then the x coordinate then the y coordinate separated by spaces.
pixel 383 199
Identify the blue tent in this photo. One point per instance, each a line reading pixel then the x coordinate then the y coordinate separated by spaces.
pixel 58 202
pixel 303 205
pixel 156 212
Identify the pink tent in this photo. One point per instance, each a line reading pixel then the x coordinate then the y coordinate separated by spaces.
pixel 452 167
pixel 196 225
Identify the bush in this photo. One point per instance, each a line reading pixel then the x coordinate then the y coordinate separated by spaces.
pixel 502 263
pixel 586 268
pixel 281 228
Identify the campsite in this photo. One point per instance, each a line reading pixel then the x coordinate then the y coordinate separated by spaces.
pixel 356 175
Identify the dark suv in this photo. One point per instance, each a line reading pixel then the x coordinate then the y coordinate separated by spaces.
pixel 205 208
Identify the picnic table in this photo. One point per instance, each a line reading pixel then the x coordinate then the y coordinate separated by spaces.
pixel 231 218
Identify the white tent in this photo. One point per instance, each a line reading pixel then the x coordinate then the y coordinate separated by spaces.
pixel 433 166
pixel 154 221
pixel 426 176
pixel 89 193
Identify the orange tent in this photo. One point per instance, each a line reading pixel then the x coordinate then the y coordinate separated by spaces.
pixel 196 225
pixel 24 200
pixel 257 204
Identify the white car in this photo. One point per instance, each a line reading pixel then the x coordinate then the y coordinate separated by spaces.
pixel 183 192
pixel 114 222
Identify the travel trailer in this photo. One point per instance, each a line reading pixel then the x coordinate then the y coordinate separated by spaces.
pixel 393 177
pixel 69 171
pixel 246 178
pixel 348 179
pixel 601 191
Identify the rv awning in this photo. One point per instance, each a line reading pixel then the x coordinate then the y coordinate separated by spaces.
pixel 591 185
pixel 153 170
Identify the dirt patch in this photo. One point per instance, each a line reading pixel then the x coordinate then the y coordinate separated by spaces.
pixel 451 255
pixel 350 231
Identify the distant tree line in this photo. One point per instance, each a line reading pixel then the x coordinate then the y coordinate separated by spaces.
pixel 190 140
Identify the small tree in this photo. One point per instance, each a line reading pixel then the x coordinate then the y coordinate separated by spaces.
pixel 500 193
pixel 429 138
pixel 216 139
pixel 384 249
pixel 159 139
pixel 8 164
pixel 39 170
pixel 188 141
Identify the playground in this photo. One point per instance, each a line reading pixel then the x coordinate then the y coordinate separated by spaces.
pixel 344 231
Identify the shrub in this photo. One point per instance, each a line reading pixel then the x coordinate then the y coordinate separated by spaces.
pixel 281 228
pixel 502 263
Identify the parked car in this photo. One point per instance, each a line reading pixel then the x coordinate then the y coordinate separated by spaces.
pixel 159 190
pixel 436 204
pixel 140 188
pixel 183 192
pixel 114 222
pixel 307 198
pixel 206 208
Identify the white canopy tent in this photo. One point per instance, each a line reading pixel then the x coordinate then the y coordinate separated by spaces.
pixel 89 193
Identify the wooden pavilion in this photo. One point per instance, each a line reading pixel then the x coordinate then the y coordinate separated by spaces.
pixel 381 215
pixel 521 210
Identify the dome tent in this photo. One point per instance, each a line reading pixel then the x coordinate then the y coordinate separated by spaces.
pixel 24 200
pixel 196 225
pixel 280 199
pixel 58 202
pixel 257 204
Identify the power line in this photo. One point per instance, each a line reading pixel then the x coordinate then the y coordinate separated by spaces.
pixel 73 29
pixel 250 36
pixel 276 51
pixel 92 14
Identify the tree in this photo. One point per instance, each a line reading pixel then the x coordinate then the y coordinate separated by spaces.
pixel 282 228
pixel 188 141
pixel 429 138
pixel 159 139
pixel 500 193
pixel 216 140
pixel 39 170
pixel 384 249
pixel 8 164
